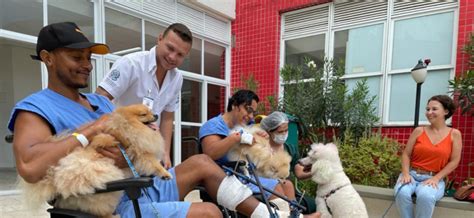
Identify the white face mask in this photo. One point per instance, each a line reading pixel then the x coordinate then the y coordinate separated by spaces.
pixel 280 138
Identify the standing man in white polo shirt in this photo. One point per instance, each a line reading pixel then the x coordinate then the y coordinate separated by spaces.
pixel 152 77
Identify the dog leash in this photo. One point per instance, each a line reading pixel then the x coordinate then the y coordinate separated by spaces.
pixel 129 162
pixel 136 175
pixel 398 191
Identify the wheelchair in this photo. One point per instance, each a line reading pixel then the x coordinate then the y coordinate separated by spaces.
pixel 132 188
pixel 231 168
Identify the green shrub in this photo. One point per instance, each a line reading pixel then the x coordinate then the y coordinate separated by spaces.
pixel 373 161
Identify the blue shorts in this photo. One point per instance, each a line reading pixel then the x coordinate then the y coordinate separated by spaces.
pixel 164 196
pixel 266 182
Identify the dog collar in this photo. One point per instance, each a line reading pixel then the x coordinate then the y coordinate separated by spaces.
pixel 334 191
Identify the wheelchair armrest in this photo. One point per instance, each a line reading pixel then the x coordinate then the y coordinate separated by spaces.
pixel 125 184
pixel 233 164
pixel 131 186
pixel 63 213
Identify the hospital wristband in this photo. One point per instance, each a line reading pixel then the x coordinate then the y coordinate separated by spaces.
pixel 81 138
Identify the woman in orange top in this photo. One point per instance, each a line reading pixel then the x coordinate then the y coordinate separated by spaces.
pixel 432 152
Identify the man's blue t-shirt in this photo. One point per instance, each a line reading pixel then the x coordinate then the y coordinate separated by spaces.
pixel 61 113
pixel 215 126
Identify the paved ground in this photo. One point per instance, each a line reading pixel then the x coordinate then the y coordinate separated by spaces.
pixel 11 201
pixel 11 205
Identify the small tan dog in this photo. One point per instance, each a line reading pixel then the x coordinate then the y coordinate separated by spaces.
pixel 269 164
pixel 73 181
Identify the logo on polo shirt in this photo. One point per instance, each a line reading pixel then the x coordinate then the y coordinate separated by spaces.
pixel 114 75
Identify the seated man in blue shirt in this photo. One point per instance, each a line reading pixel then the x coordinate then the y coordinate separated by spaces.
pixel 216 140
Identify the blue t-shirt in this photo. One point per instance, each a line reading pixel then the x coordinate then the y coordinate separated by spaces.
pixel 215 126
pixel 60 112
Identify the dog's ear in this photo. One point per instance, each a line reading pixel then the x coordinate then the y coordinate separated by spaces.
pixel 322 171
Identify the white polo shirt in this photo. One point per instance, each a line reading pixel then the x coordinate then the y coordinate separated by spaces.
pixel 132 76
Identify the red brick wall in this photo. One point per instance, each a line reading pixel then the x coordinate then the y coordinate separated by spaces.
pixel 257 41
pixel 464 123
pixel 257 50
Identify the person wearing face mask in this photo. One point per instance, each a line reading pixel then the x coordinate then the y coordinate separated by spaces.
pixel 276 124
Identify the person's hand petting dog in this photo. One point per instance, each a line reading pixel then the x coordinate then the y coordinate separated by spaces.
pixel 111 152
pixel 115 154
pixel 263 134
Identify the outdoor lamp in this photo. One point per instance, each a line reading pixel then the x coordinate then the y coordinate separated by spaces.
pixel 419 73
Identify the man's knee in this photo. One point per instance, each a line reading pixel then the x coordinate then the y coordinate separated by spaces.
pixel 204 209
pixel 288 184
pixel 201 160
pixel 203 164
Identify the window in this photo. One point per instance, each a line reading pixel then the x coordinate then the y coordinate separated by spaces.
pixel 189 147
pixel 152 31
pixel 436 83
pixel 215 100
pixel 192 63
pixel 427 36
pixel 214 60
pixel 421 37
pixel 191 101
pixel 312 47
pixel 123 32
pixel 21 16
pixel 360 50
pixel 80 12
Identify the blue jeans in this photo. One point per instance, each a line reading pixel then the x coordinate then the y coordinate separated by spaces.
pixel 426 196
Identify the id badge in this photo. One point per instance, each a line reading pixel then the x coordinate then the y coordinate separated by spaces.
pixel 148 101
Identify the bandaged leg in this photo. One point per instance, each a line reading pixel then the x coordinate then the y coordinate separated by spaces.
pixel 281 204
pixel 232 192
pixel 262 211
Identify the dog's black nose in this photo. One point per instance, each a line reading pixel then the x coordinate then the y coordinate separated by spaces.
pixel 155 116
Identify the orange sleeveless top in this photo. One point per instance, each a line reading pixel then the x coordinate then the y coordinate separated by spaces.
pixel 429 156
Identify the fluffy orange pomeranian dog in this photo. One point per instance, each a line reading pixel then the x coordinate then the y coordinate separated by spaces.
pixel 73 181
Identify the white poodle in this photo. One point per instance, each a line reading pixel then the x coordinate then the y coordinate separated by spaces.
pixel 335 197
